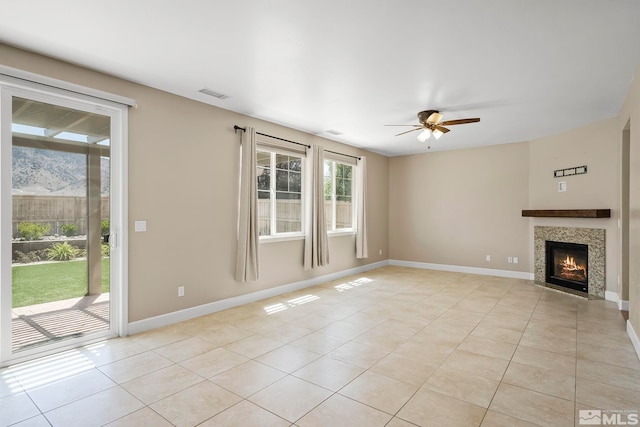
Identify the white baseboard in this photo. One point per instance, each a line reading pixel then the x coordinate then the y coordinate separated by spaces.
pixel 634 338
pixel 202 310
pixel 613 296
pixel 463 269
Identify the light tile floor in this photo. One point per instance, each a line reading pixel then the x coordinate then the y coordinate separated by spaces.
pixel 390 347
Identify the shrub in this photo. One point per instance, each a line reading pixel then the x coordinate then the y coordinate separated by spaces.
pixel 31 231
pixel 69 230
pixel 25 258
pixel 32 256
pixel 105 250
pixel 62 252
pixel 104 227
pixel 21 257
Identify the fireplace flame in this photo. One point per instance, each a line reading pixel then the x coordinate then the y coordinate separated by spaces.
pixel 569 264
pixel 573 270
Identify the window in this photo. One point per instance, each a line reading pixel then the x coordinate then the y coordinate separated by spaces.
pixel 285 215
pixel 338 195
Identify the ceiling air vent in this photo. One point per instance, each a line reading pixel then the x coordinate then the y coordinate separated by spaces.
pixel 213 93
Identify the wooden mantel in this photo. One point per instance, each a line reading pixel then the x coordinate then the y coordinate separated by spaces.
pixel 568 213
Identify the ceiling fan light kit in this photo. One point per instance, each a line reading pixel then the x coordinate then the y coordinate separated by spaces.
pixel 424 135
pixel 431 124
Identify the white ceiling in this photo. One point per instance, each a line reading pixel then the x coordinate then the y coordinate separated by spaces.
pixel 527 68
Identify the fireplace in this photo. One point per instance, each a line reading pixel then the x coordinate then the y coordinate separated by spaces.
pixel 592 238
pixel 567 265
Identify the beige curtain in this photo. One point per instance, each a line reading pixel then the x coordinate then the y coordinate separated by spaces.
pixel 247 253
pixel 361 208
pixel 316 243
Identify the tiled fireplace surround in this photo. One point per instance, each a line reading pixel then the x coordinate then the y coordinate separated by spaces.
pixel 593 237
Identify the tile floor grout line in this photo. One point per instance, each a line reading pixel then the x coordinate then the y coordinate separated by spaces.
pixel 510 360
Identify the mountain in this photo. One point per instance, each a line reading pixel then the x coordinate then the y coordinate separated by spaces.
pixel 47 172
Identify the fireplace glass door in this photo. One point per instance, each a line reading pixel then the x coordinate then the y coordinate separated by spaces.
pixel 567 265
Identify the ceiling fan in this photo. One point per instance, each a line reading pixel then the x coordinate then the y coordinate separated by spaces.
pixel 431 124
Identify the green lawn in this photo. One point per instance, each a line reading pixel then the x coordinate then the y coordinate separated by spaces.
pixel 39 283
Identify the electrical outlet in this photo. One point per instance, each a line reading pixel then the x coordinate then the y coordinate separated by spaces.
pixel 510 259
pixel 380 252
pixel 515 259
pixel 180 291
pixel 488 258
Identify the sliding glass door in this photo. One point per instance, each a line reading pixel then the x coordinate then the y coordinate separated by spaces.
pixel 57 278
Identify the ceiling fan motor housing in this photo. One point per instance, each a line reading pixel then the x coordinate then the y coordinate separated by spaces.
pixel 424 115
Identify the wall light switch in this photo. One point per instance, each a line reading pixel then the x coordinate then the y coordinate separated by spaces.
pixel 562 186
pixel 140 226
pixel 515 259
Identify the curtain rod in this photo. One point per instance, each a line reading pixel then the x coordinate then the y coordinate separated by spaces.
pixel 237 128
pixel 342 154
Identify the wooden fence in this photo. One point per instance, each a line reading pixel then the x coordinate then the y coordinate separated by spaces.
pixel 55 211
pixel 288 214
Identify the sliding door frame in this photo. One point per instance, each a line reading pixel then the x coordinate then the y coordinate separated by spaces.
pixel 11 87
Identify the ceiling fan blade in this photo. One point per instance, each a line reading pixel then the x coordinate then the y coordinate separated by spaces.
pixel 441 129
pixel 406 125
pixel 412 130
pixel 434 118
pixel 460 121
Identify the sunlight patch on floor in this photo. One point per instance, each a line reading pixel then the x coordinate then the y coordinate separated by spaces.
pixel 352 284
pixel 275 308
pixel 50 369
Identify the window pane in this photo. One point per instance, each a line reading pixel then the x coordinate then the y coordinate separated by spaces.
pixel 295 182
pixel 328 186
pixel 288 212
pixel 343 171
pixel 282 161
pixel 343 188
pixel 264 213
pixel 263 158
pixel 282 180
pixel 288 194
pixel 263 172
pixel 295 164
pixel 263 178
pixel 344 213
pixel 343 192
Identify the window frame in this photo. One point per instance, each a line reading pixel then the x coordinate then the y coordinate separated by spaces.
pixel 333 231
pixel 274 235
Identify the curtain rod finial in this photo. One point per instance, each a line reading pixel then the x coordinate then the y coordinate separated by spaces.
pixel 236 128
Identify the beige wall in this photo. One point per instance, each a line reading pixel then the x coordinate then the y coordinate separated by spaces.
pixel 630 113
pixel 183 168
pixel 597 147
pixel 456 207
